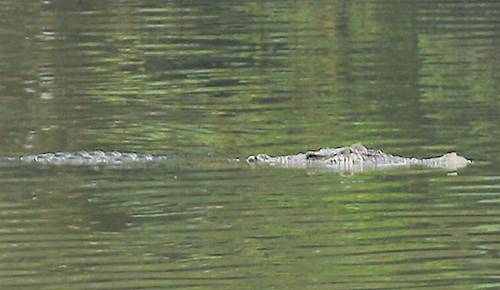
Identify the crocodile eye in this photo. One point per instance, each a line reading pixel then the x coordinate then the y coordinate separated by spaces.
pixel 311 155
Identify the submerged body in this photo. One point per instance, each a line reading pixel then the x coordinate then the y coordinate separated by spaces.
pixel 357 158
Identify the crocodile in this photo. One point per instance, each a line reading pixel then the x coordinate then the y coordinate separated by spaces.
pixel 356 158
pixel 352 158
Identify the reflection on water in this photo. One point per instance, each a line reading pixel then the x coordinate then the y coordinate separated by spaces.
pixel 203 81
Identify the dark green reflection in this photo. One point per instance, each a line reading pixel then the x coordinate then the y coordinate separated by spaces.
pixel 208 80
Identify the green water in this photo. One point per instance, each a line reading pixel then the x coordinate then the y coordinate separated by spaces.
pixel 202 81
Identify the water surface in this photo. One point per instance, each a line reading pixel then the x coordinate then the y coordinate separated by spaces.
pixel 203 81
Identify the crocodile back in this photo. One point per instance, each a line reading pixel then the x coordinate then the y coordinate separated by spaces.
pixel 90 158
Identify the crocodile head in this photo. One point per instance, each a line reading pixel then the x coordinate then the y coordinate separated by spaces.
pixel 453 160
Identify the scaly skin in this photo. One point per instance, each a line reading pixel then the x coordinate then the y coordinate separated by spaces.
pixel 90 158
pixel 356 158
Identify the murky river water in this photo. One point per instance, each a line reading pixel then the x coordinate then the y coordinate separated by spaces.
pixel 202 81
